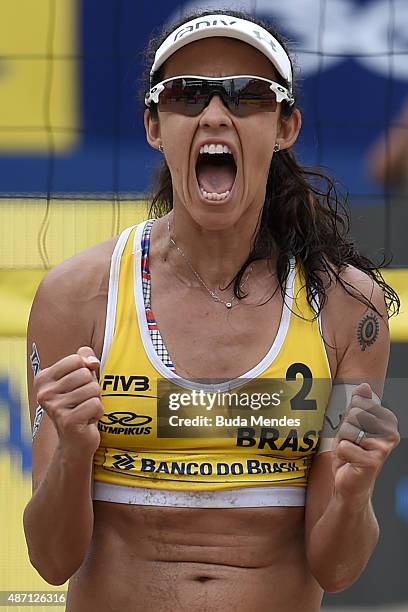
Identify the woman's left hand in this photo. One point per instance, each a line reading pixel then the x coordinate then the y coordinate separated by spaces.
pixel 358 459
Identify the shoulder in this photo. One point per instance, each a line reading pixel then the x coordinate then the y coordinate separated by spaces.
pixel 353 293
pixel 81 272
pixel 77 287
pixel 355 325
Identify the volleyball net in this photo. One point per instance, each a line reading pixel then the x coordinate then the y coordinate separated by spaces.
pixel 75 167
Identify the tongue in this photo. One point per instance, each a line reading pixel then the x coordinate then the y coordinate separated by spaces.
pixel 215 178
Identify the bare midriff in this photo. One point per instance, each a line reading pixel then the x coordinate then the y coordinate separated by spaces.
pixel 149 558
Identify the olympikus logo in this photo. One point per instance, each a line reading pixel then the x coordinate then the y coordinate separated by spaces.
pixel 132 423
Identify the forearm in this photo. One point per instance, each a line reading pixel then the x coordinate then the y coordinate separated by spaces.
pixel 341 542
pixel 58 520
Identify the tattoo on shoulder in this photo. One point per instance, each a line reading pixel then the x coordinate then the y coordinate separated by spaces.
pixel 368 330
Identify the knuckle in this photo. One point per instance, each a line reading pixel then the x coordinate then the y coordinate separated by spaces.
pixel 45 394
pixel 346 428
pixel 55 409
pixel 354 413
pixel 77 362
pixel 86 374
pixel 357 400
pixel 382 451
pixel 85 349
pixel 395 438
pixel 40 397
pixel 390 433
pixel 341 434
pixel 96 403
pixel 51 406
pixel 95 388
pixel 39 377
pixel 341 449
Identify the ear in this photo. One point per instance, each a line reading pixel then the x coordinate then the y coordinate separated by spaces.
pixel 152 127
pixel 289 128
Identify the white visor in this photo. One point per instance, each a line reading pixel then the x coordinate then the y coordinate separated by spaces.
pixel 225 26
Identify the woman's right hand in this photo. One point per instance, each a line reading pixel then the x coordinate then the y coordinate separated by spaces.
pixel 70 394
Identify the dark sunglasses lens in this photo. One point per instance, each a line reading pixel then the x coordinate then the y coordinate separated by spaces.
pixel 252 96
pixel 182 96
pixel 243 96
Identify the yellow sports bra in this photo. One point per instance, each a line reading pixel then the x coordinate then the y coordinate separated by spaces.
pixel 169 441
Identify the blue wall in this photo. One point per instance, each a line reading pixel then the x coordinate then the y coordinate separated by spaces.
pixel 347 99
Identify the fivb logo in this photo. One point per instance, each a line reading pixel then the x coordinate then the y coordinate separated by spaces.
pixel 373 34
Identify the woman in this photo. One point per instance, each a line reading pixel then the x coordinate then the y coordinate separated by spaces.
pixel 206 519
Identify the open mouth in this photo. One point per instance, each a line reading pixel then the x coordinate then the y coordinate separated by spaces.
pixel 216 171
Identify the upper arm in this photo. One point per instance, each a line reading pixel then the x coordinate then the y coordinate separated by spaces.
pixel 361 334
pixel 361 346
pixel 57 328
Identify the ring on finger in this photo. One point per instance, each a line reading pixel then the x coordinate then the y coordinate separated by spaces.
pixel 360 436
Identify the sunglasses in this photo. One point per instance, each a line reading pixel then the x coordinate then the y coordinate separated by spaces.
pixel 243 95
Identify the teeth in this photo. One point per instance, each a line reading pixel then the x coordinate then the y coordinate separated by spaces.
pixel 214 149
pixel 214 196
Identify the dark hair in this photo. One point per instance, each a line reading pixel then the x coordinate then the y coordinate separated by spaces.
pixel 302 216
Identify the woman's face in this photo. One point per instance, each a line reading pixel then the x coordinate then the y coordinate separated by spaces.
pixel 250 138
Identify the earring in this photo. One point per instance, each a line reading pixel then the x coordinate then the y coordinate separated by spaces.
pixel 276 148
pixel 161 148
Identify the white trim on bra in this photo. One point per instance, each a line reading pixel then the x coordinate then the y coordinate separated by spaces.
pixel 319 320
pixel 250 497
pixel 179 380
pixel 245 497
pixel 113 294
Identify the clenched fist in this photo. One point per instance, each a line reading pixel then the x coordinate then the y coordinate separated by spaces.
pixel 70 394
pixel 367 435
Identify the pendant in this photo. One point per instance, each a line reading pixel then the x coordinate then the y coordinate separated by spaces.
pixel 228 305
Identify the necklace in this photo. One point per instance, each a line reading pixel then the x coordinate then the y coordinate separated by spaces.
pixel 212 293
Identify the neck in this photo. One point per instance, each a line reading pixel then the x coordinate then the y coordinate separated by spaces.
pixel 215 255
